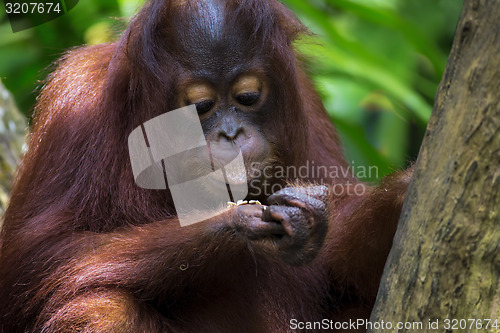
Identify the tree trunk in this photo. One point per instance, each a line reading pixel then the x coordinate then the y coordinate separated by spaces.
pixel 445 262
pixel 13 129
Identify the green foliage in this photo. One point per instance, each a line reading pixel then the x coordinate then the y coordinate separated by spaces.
pixel 376 63
pixel 26 56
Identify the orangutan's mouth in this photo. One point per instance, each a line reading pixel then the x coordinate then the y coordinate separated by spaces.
pixel 230 177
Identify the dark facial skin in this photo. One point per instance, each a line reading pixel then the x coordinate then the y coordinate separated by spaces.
pixel 227 82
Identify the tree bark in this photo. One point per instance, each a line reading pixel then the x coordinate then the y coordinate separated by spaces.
pixel 445 261
pixel 13 130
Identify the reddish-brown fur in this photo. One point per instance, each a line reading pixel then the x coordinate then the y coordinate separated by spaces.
pixel 84 249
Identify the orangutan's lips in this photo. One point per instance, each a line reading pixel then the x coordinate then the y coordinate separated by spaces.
pixel 230 177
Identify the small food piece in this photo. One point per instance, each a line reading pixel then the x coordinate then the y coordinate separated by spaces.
pixel 242 202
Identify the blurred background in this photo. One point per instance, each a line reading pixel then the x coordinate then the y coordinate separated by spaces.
pixel 376 63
